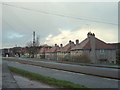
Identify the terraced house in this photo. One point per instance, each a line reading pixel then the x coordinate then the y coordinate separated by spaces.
pixel 42 52
pixel 64 52
pixel 94 50
pixel 51 53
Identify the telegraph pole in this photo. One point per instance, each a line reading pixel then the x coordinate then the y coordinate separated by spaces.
pixel 33 51
pixel 33 38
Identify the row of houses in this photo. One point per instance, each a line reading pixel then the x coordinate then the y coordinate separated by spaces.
pixel 27 51
pixel 90 50
pixel 12 52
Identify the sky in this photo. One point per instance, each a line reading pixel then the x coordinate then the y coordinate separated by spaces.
pixel 58 22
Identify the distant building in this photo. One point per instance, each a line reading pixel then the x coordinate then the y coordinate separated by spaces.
pixel 64 52
pixel 90 50
pixel 117 47
pixel 42 52
pixel 16 51
pixel 6 52
pixel 24 52
pixel 51 53
pixel 11 52
pixel 95 50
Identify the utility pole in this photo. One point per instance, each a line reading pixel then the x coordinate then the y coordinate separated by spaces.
pixel 33 51
pixel 33 38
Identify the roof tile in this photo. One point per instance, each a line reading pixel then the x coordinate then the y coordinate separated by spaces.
pixel 67 47
pixel 85 44
pixel 53 49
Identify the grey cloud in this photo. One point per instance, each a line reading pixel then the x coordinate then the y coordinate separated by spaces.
pixel 25 22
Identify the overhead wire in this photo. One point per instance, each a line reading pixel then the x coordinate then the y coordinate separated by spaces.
pixel 61 15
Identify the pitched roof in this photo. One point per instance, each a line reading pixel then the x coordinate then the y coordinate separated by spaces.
pixel 43 50
pixel 85 44
pixel 81 45
pixel 67 47
pixel 116 45
pixel 60 48
pixel 102 45
pixel 53 49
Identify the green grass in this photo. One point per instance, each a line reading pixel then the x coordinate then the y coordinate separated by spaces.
pixel 47 80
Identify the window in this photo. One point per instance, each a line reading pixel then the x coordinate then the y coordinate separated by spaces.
pixel 102 51
pixel 113 62
pixel 76 51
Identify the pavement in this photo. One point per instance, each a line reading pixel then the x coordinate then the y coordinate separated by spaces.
pixel 14 81
pixel 25 82
pixel 81 79
pixel 8 80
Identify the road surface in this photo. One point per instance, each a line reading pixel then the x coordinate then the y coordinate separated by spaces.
pixel 89 70
pixel 8 80
pixel 81 79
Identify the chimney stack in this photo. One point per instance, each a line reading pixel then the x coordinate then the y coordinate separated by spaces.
pixel 77 41
pixel 70 41
pixel 93 34
pixel 90 34
pixel 61 45
pixel 55 45
pixel 91 37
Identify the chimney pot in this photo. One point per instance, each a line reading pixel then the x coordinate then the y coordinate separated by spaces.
pixel 61 45
pixel 93 34
pixel 70 41
pixel 90 34
pixel 77 41
pixel 55 45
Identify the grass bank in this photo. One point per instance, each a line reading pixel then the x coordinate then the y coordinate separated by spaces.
pixel 47 80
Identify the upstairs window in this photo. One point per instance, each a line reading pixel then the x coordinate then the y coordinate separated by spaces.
pixel 102 51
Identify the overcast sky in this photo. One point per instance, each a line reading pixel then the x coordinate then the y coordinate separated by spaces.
pixel 21 19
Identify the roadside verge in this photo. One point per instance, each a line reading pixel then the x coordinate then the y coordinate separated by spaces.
pixel 47 80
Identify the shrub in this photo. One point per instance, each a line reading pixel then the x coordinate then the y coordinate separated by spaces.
pixel 81 59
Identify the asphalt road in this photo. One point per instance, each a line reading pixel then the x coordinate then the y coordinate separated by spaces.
pixel 82 79
pixel 98 71
pixel 74 63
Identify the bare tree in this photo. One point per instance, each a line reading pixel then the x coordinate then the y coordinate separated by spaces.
pixel 29 48
pixel 33 49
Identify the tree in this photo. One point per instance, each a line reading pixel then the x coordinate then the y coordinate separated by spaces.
pixel 33 48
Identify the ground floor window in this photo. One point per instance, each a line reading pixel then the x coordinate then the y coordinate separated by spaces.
pixel 102 51
pixel 112 62
pixel 103 61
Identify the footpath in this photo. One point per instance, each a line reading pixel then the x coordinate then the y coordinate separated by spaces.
pixel 8 80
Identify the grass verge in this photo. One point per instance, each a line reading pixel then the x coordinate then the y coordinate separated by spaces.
pixel 47 80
